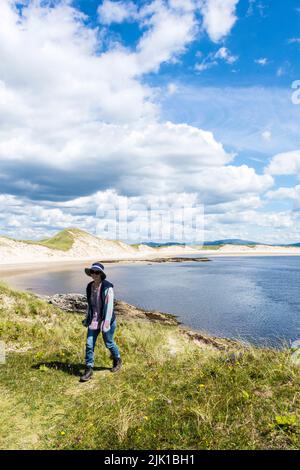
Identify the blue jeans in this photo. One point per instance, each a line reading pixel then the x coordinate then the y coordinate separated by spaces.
pixel 108 339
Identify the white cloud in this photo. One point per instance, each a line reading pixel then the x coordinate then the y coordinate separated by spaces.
pixel 282 194
pixel 285 193
pixel 169 32
pixel 224 54
pixel 287 163
pixel 240 204
pixel 172 88
pixel 76 120
pixel 232 114
pixel 205 65
pixel 267 135
pixel 227 183
pixel 280 71
pixel 284 69
pixel 117 12
pixel 212 59
pixel 259 219
pixel 182 5
pixel 262 61
pixel 219 16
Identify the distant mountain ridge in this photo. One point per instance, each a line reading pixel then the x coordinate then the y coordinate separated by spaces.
pixel 233 241
pixel 227 241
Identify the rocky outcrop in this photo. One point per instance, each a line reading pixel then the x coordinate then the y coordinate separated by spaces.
pixel 77 303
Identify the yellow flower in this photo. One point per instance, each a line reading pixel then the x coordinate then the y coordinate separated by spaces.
pixel 146 417
pixel 245 395
pixel 201 385
pixel 62 433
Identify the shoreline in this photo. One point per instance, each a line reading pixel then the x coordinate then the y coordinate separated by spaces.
pixel 76 304
pixel 202 256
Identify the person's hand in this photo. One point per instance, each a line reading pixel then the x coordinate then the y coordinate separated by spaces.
pixel 105 326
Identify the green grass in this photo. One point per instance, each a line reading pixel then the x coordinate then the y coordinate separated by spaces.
pixel 62 240
pixel 170 394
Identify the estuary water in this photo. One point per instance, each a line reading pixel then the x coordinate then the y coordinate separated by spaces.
pixel 253 298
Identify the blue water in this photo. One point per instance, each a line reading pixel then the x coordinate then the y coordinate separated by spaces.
pixel 256 299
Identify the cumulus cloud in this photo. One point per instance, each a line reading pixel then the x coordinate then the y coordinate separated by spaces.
pixel 227 183
pixel 286 163
pixel 80 120
pixel 276 220
pixel 169 32
pixel 292 193
pixel 116 12
pixel 79 124
pixel 219 16
pixel 286 194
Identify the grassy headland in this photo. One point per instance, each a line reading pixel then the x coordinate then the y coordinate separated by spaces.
pixel 174 392
pixel 62 240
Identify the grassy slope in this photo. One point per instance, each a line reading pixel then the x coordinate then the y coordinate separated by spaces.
pixel 62 240
pixel 171 393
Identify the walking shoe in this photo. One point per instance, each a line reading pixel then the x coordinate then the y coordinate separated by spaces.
pixel 117 364
pixel 87 374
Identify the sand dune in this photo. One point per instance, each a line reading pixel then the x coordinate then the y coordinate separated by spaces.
pixel 89 247
pixel 85 247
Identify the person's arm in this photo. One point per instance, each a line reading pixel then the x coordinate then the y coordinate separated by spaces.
pixel 85 320
pixel 108 310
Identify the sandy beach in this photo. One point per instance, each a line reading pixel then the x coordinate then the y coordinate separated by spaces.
pixel 87 248
pixel 56 264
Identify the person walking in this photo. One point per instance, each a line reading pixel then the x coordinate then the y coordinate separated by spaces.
pixel 100 317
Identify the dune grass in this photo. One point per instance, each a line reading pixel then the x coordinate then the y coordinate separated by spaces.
pixel 62 240
pixel 170 394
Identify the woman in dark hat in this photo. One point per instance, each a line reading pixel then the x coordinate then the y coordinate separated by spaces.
pixel 100 317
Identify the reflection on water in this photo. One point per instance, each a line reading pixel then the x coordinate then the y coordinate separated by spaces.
pixel 251 298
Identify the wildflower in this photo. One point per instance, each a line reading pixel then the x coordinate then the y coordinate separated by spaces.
pixel 245 395
pixel 286 422
pixel 62 433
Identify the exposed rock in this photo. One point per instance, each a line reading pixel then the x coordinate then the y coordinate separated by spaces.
pixel 69 302
pixel 77 303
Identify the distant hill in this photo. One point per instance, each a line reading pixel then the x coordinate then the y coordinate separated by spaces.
pixel 229 241
pixel 155 244
pixel 233 241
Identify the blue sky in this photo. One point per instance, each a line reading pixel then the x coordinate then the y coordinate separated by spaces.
pixel 157 100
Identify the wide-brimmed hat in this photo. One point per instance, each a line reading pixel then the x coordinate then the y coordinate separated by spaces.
pixel 95 267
